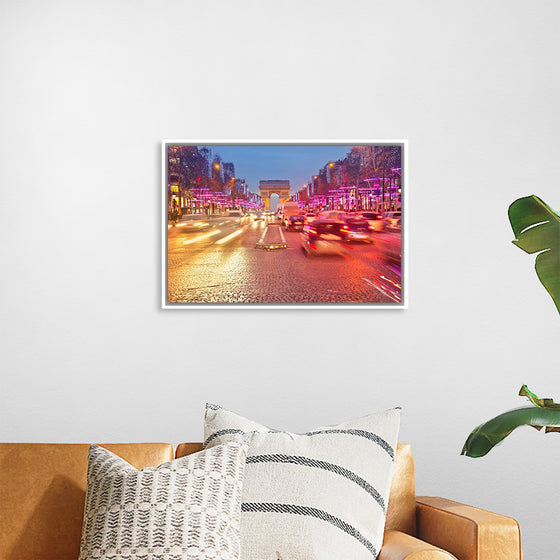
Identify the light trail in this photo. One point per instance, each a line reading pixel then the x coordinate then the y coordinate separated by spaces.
pixel 229 237
pixel 201 237
pixel 398 286
pixel 195 224
pixel 394 297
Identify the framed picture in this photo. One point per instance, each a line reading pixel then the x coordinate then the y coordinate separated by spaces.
pixel 284 224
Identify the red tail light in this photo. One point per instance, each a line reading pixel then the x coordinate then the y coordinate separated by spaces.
pixel 312 231
pixel 344 228
pixel 371 227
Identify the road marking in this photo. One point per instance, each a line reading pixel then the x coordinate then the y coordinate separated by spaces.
pixel 261 240
pixel 200 237
pixel 229 237
pixel 263 244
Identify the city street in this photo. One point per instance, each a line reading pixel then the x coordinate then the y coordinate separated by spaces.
pixel 219 262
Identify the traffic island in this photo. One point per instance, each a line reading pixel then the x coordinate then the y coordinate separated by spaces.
pixel 272 238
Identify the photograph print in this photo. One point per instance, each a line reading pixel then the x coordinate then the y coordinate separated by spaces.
pixel 283 224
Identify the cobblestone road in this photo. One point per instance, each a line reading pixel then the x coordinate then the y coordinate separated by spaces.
pixel 222 265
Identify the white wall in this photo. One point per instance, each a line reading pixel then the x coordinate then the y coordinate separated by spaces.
pixel 90 89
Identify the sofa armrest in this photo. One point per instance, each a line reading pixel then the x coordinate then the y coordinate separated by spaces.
pixel 467 532
pixel 401 546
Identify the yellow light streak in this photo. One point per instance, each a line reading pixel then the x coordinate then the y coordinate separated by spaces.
pixel 200 237
pixel 229 237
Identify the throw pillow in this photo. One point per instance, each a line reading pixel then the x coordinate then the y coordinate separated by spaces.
pixel 313 496
pixel 185 509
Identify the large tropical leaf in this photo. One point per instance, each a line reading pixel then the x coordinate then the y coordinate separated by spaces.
pixel 537 230
pixel 544 413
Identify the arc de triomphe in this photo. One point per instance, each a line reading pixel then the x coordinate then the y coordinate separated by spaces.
pixel 268 188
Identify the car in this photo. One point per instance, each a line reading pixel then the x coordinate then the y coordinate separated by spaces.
pixel 358 229
pixel 392 221
pixel 236 215
pixel 324 237
pixel 375 220
pixel 334 215
pixel 295 222
pixel 309 217
pixel 289 208
pixel 389 247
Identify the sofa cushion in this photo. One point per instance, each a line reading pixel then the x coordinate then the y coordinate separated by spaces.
pixel 186 509
pixel 401 509
pixel 42 492
pixel 322 494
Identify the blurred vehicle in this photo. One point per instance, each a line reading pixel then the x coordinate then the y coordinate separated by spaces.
pixel 236 215
pixel 392 221
pixel 309 217
pixel 334 215
pixel 375 220
pixel 324 237
pixel 193 222
pixel 358 229
pixel 257 215
pixel 389 247
pixel 295 222
pixel 289 209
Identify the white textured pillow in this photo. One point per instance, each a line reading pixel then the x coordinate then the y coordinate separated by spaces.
pixel 321 495
pixel 187 509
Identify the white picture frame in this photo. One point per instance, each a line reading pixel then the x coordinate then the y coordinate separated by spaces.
pixel 193 200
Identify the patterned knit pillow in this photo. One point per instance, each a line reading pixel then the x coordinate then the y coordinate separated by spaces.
pixel 187 509
pixel 316 496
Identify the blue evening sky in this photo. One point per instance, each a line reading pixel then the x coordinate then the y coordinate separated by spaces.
pixel 296 164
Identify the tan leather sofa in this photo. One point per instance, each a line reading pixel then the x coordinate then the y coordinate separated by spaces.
pixel 42 492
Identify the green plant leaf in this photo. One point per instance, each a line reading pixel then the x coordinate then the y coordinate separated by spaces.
pixel 536 227
pixel 483 438
pixel 537 401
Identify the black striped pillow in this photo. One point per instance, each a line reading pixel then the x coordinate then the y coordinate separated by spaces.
pixel 322 494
